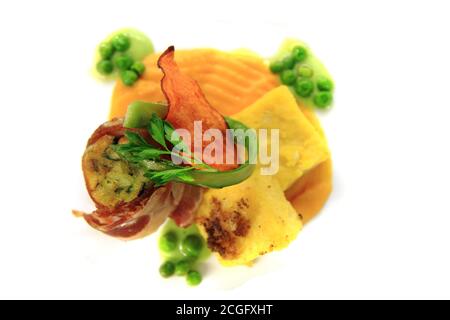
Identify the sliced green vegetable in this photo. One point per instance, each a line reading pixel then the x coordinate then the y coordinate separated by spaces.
pixel 201 175
pixel 139 113
pixel 221 179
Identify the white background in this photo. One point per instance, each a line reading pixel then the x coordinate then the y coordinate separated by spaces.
pixel 385 232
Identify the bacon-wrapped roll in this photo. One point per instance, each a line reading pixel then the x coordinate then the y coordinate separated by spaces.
pixel 128 205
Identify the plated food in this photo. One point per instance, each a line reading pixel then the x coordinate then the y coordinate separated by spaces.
pixel 224 148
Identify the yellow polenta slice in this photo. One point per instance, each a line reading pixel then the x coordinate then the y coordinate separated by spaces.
pixel 245 221
pixel 309 194
pixel 301 146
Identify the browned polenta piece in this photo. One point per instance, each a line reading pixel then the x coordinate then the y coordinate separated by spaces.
pixel 245 221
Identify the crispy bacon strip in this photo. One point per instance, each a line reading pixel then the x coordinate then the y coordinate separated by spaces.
pixel 187 103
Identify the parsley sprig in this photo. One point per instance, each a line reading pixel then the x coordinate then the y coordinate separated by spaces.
pixel 156 161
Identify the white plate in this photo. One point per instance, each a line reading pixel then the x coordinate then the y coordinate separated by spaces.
pixel 141 258
pixel 384 232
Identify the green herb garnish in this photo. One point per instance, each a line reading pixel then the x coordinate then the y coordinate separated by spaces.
pixel 159 168
pixel 138 150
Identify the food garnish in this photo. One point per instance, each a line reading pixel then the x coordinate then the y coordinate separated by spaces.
pixel 140 113
pixel 121 54
pixel 183 250
pixel 160 170
pixel 188 104
pixel 304 73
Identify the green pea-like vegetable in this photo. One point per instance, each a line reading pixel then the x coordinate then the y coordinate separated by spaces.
pixel 121 42
pixel 129 77
pixel 324 84
pixel 106 50
pixel 299 53
pixel 105 67
pixel 305 71
pixel 182 267
pixel 288 62
pixel 193 278
pixel 167 269
pixel 303 87
pixel 288 77
pixel 276 66
pixel 139 113
pixel 138 67
pixel 323 99
pixel 168 242
pixel 123 62
pixel 192 246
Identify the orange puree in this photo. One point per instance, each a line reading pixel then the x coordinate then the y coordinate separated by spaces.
pixel 230 82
